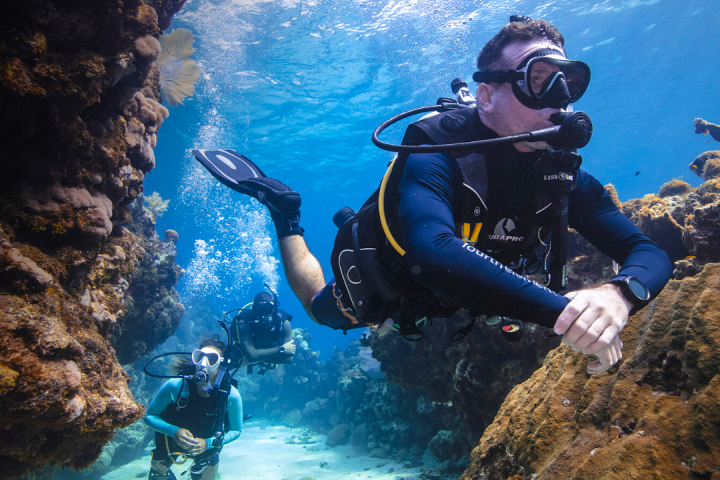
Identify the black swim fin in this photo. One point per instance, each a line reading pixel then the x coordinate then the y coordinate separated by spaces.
pixel 230 167
pixel 155 475
pixel 239 173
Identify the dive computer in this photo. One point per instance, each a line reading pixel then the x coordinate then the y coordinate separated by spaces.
pixel 633 289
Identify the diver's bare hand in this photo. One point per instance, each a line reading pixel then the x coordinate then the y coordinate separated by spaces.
pixel 290 347
pixel 607 357
pixel 185 439
pixel 593 318
pixel 199 447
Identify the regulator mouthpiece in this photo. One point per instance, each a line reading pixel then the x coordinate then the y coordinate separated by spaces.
pixel 200 377
pixel 575 130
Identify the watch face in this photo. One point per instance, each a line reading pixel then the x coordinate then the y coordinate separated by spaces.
pixel 638 289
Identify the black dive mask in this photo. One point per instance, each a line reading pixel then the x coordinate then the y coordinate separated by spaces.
pixel 545 79
pixel 264 313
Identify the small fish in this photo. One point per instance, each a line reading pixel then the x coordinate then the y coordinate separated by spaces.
pixel 637 173
pixel 689 257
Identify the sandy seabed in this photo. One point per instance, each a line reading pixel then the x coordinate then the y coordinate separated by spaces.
pixel 262 452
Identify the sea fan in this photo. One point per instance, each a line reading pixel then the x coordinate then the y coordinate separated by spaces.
pixel 178 74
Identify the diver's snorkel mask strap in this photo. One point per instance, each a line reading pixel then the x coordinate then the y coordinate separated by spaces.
pixel 557 89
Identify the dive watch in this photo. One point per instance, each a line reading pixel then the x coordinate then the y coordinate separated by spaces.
pixel 633 289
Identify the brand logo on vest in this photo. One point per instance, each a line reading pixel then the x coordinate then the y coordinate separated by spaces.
pixel 560 176
pixel 477 211
pixel 503 229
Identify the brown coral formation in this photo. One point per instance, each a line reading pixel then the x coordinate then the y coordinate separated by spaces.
pixel 703 127
pixel 707 165
pixel 656 416
pixel 81 109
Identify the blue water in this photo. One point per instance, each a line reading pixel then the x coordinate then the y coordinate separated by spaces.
pixel 298 86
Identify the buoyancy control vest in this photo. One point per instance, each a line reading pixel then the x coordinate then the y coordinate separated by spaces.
pixel 193 412
pixel 264 335
pixel 506 221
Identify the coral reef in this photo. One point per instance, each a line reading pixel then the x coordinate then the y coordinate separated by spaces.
pixel 178 74
pixel 653 417
pixel 81 110
pixel 152 312
pixel 705 128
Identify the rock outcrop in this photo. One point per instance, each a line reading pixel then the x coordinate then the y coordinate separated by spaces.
pixel 81 108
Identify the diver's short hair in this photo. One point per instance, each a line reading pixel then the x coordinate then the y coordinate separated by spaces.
pixel 491 56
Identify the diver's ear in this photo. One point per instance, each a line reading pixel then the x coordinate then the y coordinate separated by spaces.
pixel 484 98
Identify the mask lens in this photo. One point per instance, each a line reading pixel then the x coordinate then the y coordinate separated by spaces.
pixel 541 75
pixel 544 72
pixel 213 359
pixel 210 358
pixel 577 81
pixel 264 310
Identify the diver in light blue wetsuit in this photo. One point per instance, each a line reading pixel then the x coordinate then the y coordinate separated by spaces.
pixel 183 415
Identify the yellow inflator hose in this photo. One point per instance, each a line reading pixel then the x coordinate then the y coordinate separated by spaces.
pixel 381 210
pixel 167 447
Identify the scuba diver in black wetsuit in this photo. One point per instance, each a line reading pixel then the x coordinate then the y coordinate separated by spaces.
pixel 263 333
pixel 457 227
pixel 185 414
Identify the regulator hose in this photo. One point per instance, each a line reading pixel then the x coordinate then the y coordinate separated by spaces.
pixel 572 130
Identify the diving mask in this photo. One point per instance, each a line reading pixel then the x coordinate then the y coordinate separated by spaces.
pixel 206 357
pixel 263 312
pixel 545 79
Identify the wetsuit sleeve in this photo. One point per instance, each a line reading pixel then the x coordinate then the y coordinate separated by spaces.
pixel 234 410
pixel 594 215
pixel 458 271
pixel 252 354
pixel 167 395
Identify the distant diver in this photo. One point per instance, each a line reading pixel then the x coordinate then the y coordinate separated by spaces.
pixel 196 412
pixel 481 193
pixel 264 334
